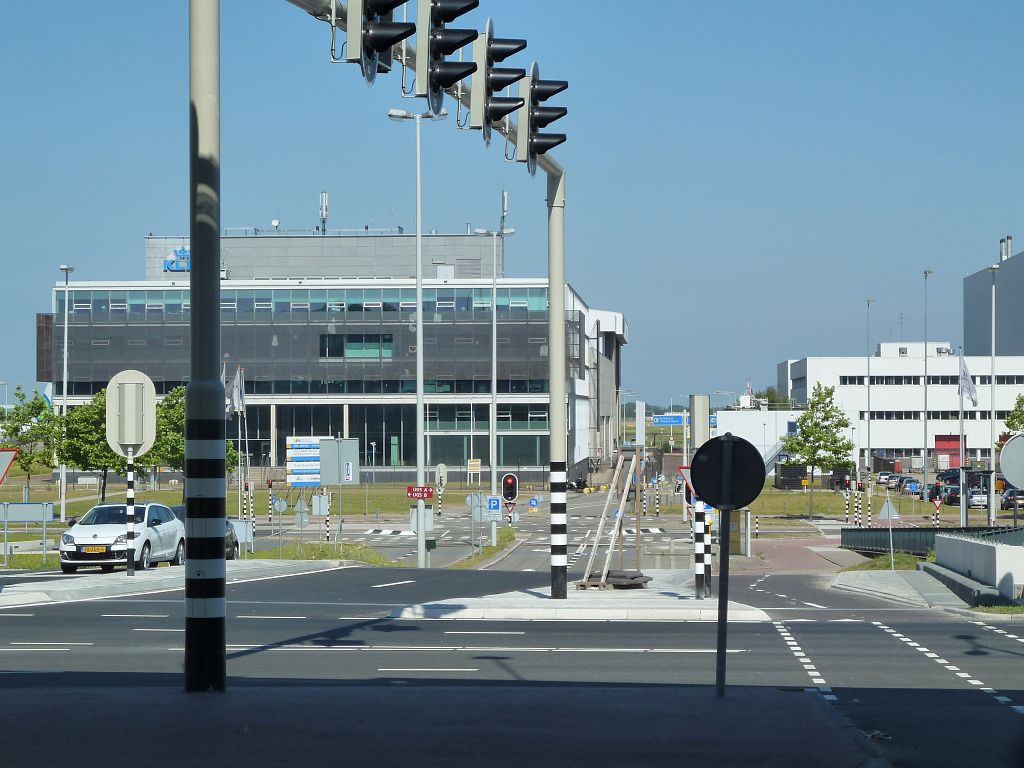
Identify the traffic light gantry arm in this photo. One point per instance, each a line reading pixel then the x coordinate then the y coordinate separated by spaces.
pixel 406 54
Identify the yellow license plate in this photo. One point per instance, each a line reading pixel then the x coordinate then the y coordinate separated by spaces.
pixel 94 550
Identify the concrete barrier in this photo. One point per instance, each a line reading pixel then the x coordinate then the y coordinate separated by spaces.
pixel 997 565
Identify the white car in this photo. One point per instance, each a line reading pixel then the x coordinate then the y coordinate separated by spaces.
pixel 977 498
pixel 101 538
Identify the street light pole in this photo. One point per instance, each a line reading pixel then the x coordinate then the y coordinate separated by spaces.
pixel 493 425
pixel 992 409
pixel 867 448
pixel 421 535
pixel 67 269
pixel 924 481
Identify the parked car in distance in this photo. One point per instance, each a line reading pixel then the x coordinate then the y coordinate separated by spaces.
pixel 1011 495
pixel 231 548
pixel 952 496
pixel 949 475
pixel 883 477
pixel 893 481
pixel 977 498
pixel 100 538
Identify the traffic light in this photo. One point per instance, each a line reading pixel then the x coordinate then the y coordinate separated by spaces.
pixel 532 117
pixel 434 42
pixel 371 32
pixel 484 107
pixel 509 487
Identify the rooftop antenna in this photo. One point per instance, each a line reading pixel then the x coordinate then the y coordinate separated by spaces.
pixel 323 213
pixel 275 223
pixel 901 326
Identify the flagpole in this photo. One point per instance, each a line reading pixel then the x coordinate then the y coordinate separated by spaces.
pixel 245 436
pixel 960 476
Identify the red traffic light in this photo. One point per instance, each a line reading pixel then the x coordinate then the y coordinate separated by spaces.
pixel 509 487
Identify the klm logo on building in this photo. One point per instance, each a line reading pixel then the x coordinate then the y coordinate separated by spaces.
pixel 178 261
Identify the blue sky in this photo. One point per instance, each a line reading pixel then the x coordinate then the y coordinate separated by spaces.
pixel 742 176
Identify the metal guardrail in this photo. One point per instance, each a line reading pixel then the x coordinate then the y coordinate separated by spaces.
pixel 916 541
pixel 1013 536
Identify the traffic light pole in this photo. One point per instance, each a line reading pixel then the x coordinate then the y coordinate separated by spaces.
pixel 556 381
pixel 405 53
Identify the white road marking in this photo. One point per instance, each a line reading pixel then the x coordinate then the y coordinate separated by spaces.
pixel 482 632
pixel 813 605
pixel 270 617
pixel 464 649
pixel 22 615
pixel 135 615
pixel 10 650
pixel 149 629
pixel 392 584
pixel 426 669
pixel 28 643
pixel 803 660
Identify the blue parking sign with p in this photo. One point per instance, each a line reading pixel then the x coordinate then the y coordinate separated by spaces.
pixel 493 504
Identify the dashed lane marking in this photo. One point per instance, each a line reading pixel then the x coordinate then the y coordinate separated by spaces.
pixel 821 685
pixel 957 672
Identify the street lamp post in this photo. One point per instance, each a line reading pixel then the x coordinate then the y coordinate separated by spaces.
pixel 421 539
pixel 924 481
pixel 671 433
pixel 867 379
pixel 493 425
pixel 992 409
pixel 67 269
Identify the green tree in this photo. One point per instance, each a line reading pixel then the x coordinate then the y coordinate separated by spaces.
pixel 85 441
pixel 771 394
pixel 1015 418
pixel 31 426
pixel 819 440
pixel 169 446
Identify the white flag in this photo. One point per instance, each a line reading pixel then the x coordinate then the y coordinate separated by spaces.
pixel 237 400
pixel 966 384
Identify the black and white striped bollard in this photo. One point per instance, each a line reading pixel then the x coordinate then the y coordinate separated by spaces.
pixel 657 500
pixel 846 506
pixel 700 585
pixel 559 532
pixel 757 527
pixel 130 510
pixel 857 510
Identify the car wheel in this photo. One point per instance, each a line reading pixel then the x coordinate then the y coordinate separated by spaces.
pixel 107 567
pixel 143 561
pixel 65 568
pixel 179 554
pixel 233 554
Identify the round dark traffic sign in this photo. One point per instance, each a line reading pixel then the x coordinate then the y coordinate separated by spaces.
pixel 727 472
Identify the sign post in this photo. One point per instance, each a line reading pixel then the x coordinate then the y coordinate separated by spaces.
pixel 728 473
pixel 1011 462
pixel 131 430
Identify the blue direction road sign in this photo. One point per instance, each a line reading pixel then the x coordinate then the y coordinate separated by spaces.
pixel 668 419
pixel 534 501
pixel 713 421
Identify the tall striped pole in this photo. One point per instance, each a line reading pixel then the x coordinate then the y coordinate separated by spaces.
pixel 699 577
pixel 846 506
pixel 252 509
pixel 557 447
pixel 131 512
pixel 270 509
pixel 205 429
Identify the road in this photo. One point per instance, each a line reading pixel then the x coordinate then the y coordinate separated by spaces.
pixel 916 686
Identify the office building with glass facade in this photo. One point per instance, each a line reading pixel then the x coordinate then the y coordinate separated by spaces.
pixel 323 327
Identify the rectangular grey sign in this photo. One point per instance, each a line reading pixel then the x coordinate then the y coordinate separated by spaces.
pixel 31 512
pixel 339 461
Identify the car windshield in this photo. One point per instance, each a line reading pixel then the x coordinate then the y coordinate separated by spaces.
pixel 112 515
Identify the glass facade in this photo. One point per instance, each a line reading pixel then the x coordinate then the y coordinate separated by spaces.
pixel 302 341
pixel 333 341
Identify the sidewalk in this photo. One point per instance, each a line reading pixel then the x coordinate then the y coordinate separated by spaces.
pixel 668 597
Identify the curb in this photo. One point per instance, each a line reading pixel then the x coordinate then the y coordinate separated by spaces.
pixel 493 559
pixel 920 602
pixel 455 611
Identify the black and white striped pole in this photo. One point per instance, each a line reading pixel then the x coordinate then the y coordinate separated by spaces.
pixel 701 586
pixel 130 505
pixel 205 429
pixel 557 415
pixel 131 430
pixel 846 506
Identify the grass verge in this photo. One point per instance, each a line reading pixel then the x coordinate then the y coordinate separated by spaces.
pixel 1007 609
pixel 506 537
pixel 323 551
pixel 902 561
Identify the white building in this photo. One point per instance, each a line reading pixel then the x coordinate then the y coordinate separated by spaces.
pixel 897 397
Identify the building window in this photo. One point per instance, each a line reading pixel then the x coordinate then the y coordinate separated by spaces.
pixel 357 346
pixel 903 351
